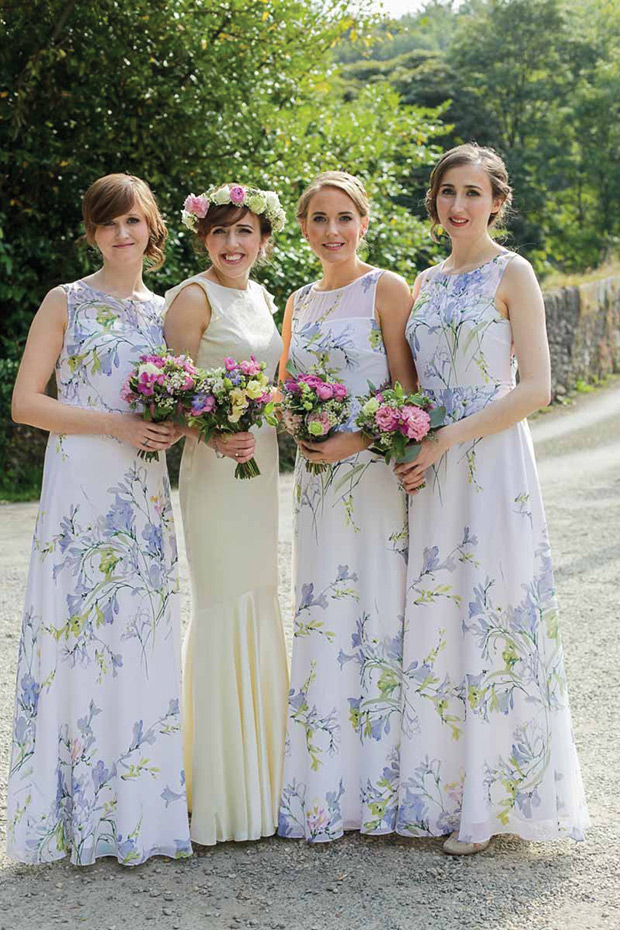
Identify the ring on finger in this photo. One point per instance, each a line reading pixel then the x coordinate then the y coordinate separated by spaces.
pixel 146 442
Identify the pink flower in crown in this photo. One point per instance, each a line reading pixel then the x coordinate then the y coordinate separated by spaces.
pixel 415 422
pixel 324 391
pixel 237 193
pixel 229 363
pixel 387 419
pixel 199 206
pixel 340 391
pixel 250 368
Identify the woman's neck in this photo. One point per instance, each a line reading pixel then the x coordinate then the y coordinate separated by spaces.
pixel 466 254
pixel 119 282
pixel 239 282
pixel 335 276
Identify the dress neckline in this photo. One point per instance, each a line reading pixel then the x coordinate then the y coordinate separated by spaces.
pixel 333 290
pixel 458 274
pixel 240 290
pixel 131 300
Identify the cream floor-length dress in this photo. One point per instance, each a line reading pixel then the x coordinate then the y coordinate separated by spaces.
pixel 234 656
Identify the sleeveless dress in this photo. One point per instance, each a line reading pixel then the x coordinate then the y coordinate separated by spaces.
pixel 235 666
pixel 349 566
pixel 96 760
pixel 487 740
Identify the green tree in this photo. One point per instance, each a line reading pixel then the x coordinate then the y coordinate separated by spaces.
pixel 185 93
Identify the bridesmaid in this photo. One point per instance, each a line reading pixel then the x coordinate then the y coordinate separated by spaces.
pixel 235 668
pixel 341 762
pixel 96 761
pixel 491 747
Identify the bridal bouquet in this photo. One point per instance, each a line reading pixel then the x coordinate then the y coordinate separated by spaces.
pixel 231 400
pixel 312 407
pixel 397 422
pixel 161 387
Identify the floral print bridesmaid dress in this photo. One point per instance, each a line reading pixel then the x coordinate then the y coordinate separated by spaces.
pixel 350 546
pixel 487 742
pixel 96 762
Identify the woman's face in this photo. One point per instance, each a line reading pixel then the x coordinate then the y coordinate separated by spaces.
pixel 333 225
pixel 465 201
pixel 125 237
pixel 234 249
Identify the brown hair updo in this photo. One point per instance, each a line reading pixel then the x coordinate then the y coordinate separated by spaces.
pixel 471 154
pixel 116 194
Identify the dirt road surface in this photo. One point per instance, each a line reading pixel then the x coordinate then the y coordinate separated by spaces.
pixel 386 883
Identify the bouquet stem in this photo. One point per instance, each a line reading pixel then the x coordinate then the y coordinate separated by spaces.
pixel 247 469
pixel 315 468
pixel 148 456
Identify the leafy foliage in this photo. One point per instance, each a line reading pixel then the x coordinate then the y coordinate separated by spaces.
pixel 186 93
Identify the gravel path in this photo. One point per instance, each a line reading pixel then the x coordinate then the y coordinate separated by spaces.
pixel 387 883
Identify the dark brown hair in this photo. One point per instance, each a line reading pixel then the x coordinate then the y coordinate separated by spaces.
pixel 227 214
pixel 116 194
pixel 471 154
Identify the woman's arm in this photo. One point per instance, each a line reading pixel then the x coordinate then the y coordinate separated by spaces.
pixel 186 321
pixel 32 405
pixel 286 336
pixel 520 294
pixel 393 304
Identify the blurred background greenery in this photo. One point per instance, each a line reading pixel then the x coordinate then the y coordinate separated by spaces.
pixel 187 93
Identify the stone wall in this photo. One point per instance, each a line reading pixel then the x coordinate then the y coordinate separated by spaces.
pixel 583 325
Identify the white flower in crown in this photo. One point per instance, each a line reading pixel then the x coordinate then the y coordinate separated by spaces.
pixel 219 195
pixel 258 201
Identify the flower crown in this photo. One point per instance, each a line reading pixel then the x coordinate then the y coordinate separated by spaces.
pixel 256 200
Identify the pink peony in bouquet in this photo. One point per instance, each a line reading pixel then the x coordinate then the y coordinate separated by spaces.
pixel 312 407
pixel 398 422
pixel 161 387
pixel 232 399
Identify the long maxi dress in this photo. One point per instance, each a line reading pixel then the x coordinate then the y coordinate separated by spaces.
pixel 234 658
pixel 96 761
pixel 350 547
pixel 487 740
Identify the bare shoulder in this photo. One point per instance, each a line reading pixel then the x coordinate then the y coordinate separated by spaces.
pixel 191 299
pixel 392 285
pixel 518 271
pixel 53 309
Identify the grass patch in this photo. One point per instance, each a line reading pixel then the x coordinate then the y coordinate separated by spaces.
pixel 608 269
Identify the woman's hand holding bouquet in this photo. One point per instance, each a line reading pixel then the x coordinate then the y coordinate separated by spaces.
pixel 160 388
pixel 230 400
pixel 312 408
pixel 397 422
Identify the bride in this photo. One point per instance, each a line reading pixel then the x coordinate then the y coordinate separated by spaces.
pixel 235 671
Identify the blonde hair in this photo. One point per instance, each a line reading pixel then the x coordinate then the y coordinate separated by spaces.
pixel 471 154
pixel 114 195
pixel 348 183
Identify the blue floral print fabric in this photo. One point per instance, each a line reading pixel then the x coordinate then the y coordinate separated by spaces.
pixel 487 741
pixel 96 762
pixel 349 565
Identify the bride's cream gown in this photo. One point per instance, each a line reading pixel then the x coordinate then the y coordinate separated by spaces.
pixel 235 671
